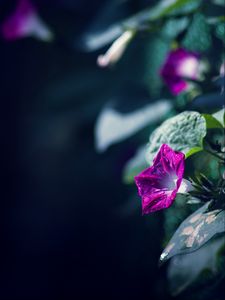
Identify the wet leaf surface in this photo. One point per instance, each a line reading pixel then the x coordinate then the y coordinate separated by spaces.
pixel 195 231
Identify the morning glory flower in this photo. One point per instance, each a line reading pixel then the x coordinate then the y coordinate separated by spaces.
pixel 159 184
pixel 24 22
pixel 115 52
pixel 180 65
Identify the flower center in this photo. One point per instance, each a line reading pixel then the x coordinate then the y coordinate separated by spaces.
pixel 172 184
pixel 188 68
pixel 169 182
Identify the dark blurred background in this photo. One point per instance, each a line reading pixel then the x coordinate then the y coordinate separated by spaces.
pixel 70 228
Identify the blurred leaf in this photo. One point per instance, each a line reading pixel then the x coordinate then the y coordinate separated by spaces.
pixel 186 269
pixel 135 165
pixel 98 38
pixel 212 122
pixel 220 116
pixel 166 7
pixel 101 31
pixel 215 20
pixel 113 127
pixel 183 132
pixel 157 51
pixel 162 9
pixel 94 41
pixel 220 81
pixel 220 31
pixel 219 2
pixel 195 231
pixel 173 27
pixel 198 37
pixel 207 101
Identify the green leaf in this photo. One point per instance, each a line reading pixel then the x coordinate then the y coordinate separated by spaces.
pixel 113 127
pixel 135 165
pixel 220 117
pixel 195 231
pixel 198 37
pixel 157 50
pixel 174 7
pixel 174 26
pixel 219 2
pixel 193 151
pixel 187 269
pixel 178 212
pixel 97 39
pixel 184 132
pixel 162 9
pixel 220 31
pixel 212 122
pixel 216 20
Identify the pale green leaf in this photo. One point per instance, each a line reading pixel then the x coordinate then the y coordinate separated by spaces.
pixel 195 231
pixel 184 132
pixel 220 116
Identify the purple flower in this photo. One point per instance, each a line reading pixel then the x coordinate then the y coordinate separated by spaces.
pixel 158 184
pixel 180 65
pixel 23 22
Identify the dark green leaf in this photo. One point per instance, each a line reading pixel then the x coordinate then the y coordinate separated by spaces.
pixel 208 101
pixel 198 37
pixel 176 214
pixel 157 51
pixel 186 269
pixel 135 165
pixel 162 9
pixel 174 27
pixel 219 2
pixel 195 231
pixel 100 38
pixel 220 31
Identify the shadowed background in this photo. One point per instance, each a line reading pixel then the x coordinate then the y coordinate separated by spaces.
pixel 69 226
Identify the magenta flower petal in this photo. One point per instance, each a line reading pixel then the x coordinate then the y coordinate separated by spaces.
pixel 158 184
pixel 176 85
pixel 180 64
pixel 23 22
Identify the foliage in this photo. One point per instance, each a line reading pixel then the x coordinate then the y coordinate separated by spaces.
pixel 136 103
pixel 184 132
pixel 195 123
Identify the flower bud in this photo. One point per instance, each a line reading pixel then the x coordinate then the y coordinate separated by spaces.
pixel 116 50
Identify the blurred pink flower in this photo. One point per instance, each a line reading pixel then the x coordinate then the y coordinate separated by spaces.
pixel 158 184
pixel 23 22
pixel 180 65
